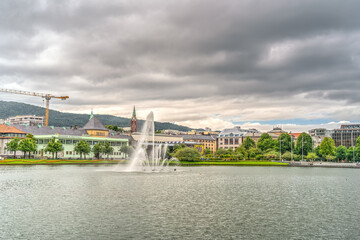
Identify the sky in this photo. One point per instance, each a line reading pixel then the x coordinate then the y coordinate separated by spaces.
pixel 199 63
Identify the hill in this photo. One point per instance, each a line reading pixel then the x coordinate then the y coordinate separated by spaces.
pixel 63 119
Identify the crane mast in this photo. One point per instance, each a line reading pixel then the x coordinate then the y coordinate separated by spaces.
pixel 46 96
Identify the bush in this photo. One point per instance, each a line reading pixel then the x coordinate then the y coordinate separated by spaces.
pixel 187 154
pixel 259 157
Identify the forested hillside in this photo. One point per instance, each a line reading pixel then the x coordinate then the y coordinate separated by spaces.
pixel 63 119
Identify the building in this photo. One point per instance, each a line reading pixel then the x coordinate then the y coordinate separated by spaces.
pixel 318 134
pixel 277 130
pixel 134 122
pixel 346 135
pixel 8 133
pixel 93 132
pixel 207 141
pixel 231 138
pixel 30 120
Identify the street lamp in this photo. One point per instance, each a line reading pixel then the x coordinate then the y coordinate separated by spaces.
pixel 302 145
pixel 280 147
pixel 352 141
pixel 291 144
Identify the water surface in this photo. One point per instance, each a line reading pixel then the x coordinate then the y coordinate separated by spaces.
pixel 88 202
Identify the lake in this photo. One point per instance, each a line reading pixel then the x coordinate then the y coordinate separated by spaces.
pixel 91 202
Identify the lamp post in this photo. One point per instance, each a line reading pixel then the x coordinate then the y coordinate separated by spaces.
pixel 302 146
pixel 291 144
pixel 353 145
pixel 280 147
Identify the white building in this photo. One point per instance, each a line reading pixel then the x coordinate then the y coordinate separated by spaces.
pixel 30 120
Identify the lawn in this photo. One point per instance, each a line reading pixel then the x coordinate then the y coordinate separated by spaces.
pixel 54 161
pixel 239 163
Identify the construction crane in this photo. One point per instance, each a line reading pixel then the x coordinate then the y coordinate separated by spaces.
pixel 46 96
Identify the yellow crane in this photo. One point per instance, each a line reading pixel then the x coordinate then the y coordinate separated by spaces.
pixel 46 96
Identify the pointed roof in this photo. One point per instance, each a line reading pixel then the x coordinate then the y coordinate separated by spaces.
pixel 94 124
pixel 134 113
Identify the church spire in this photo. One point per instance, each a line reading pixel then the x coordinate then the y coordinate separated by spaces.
pixel 134 122
pixel 92 114
pixel 134 113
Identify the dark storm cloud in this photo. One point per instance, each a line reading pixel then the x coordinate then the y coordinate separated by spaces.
pixel 173 50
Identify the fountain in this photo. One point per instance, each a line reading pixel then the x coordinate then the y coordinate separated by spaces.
pixel 148 156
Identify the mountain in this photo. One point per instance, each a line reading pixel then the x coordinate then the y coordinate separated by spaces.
pixel 63 119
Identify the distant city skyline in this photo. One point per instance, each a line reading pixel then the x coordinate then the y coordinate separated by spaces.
pixel 196 63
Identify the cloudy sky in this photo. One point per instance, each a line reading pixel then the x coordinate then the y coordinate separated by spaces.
pixel 200 63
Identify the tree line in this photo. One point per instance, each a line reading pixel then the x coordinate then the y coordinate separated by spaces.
pixel 28 145
pixel 282 148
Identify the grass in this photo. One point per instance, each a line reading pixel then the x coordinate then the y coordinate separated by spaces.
pixel 54 161
pixel 104 161
pixel 238 163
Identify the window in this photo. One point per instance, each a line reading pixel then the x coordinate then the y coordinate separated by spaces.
pixel 226 141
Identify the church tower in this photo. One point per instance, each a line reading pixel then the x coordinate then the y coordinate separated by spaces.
pixel 134 122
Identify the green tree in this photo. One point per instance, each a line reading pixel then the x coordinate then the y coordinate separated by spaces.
pixel 97 150
pixel 127 150
pixel 178 146
pixel 358 142
pixel 327 147
pixel 107 149
pixel 340 152
pixel 248 143
pixel 13 146
pixel 317 151
pixel 353 152
pixel 220 153
pixel 82 147
pixel 207 152
pixel 285 140
pixel 311 156
pixel 265 142
pixel 188 154
pixel 27 145
pixel 286 156
pixel 304 144
pixel 53 147
pixel 271 155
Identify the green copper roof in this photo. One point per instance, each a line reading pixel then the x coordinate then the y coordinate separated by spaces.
pixel 92 114
pixel 134 113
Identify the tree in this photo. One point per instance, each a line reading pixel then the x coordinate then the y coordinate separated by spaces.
pixel 265 142
pixel 253 152
pixel 327 147
pixel 358 142
pixel 317 151
pixel 187 154
pixel 82 147
pixel 27 145
pixel 351 153
pixel 285 140
pixel 207 151
pixel 13 146
pixel 98 149
pixel 127 150
pixel 271 155
pixel 220 153
pixel 311 156
pixel 340 152
pixel 286 156
pixel 53 147
pixel 248 143
pixel 107 149
pixel 304 144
